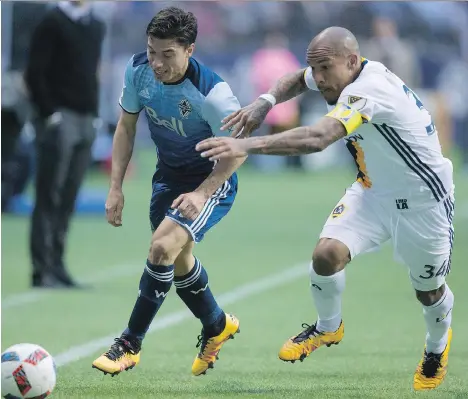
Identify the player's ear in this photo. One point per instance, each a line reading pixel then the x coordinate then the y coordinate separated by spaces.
pixel 190 49
pixel 352 61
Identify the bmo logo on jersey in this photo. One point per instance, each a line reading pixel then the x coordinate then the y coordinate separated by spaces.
pixel 174 125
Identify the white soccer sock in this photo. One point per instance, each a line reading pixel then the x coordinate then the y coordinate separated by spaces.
pixel 326 291
pixel 438 319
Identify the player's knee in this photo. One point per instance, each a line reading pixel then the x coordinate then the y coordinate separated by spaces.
pixel 330 256
pixel 428 298
pixel 161 252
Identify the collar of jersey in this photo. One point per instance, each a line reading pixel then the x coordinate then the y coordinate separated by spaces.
pixel 364 62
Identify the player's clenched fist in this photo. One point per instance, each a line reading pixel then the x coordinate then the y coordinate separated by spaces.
pixel 114 207
pixel 190 204
pixel 244 121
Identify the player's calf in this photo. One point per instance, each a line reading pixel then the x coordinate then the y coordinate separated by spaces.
pixel 327 281
pixel 193 288
pixel 155 284
pixel 437 310
pixel 124 354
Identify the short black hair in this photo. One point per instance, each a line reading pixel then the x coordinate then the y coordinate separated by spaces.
pixel 174 23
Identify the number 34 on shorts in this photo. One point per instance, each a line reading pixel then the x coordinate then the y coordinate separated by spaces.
pixel 432 271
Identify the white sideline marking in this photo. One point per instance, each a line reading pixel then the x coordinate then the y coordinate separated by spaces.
pixel 108 274
pixel 79 352
pixel 24 298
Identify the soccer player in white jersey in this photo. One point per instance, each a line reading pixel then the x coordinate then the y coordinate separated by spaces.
pixel 404 183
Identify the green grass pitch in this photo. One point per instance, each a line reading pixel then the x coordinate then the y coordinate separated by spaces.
pixel 273 227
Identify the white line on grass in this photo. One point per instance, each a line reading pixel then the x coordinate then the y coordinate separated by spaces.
pixel 116 272
pixel 78 352
pixel 108 274
pixel 113 273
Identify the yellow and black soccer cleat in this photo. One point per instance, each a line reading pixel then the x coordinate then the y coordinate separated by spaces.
pixel 432 369
pixel 302 345
pixel 210 346
pixel 124 354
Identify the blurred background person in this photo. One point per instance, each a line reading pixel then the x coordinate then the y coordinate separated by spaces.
pixel 62 78
pixel 270 63
pixel 386 46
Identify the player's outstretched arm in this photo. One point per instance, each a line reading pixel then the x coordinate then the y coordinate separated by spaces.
pixel 301 140
pixel 244 121
pixel 289 86
pixel 122 149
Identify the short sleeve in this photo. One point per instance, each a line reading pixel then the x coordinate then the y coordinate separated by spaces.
pixel 349 117
pixel 219 103
pixel 309 79
pixel 129 100
pixel 360 102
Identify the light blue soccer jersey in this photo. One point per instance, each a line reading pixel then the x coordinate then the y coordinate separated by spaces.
pixel 179 115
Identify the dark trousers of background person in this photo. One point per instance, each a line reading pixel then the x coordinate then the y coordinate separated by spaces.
pixel 63 153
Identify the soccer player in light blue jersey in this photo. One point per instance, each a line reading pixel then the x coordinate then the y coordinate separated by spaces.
pixel 184 103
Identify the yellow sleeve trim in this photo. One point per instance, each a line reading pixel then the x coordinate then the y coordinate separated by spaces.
pixel 350 118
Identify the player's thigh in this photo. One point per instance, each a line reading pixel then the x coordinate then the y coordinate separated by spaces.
pixel 423 241
pixel 162 196
pixel 167 242
pixel 168 237
pixel 356 222
pixel 213 211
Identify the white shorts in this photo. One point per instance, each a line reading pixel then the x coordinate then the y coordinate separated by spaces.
pixel 421 239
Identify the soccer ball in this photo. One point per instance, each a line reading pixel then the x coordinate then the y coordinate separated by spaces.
pixel 28 371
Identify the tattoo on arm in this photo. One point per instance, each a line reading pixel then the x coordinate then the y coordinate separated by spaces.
pixel 289 86
pixel 301 140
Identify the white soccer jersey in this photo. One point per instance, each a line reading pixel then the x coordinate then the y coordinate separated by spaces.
pixel 395 147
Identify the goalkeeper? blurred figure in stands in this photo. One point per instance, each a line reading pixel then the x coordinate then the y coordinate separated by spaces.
pixel 62 79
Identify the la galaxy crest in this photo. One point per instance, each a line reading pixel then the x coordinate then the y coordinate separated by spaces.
pixel 185 108
pixel 338 211
pixel 354 99
pixel 358 103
